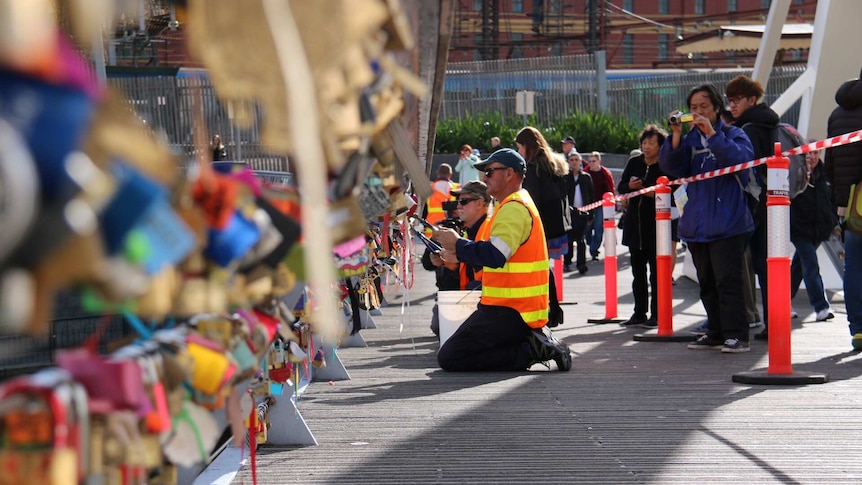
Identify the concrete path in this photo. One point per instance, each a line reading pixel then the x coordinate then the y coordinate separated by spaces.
pixel 628 412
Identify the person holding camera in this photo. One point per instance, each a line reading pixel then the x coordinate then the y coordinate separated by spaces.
pixel 716 222
pixel 507 330
pixel 473 203
pixel 639 231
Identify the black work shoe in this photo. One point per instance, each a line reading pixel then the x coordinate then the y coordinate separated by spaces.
pixel 649 323
pixel 705 342
pixel 634 321
pixel 544 347
pixel 764 335
pixel 582 269
pixel 567 267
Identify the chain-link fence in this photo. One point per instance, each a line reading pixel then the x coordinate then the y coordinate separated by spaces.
pixel 568 84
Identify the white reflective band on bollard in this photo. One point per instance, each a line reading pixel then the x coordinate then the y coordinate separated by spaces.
pixel 610 234
pixel 663 245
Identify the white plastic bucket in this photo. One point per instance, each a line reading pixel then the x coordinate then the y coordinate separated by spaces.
pixel 453 307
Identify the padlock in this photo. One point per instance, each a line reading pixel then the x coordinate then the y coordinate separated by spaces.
pixel 45 430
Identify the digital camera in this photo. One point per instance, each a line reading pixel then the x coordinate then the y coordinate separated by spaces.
pixel 679 118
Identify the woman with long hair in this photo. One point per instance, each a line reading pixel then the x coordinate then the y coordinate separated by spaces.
pixel 547 186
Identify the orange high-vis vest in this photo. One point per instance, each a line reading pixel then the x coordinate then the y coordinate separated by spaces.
pixel 522 283
pixel 483 234
pixel 441 191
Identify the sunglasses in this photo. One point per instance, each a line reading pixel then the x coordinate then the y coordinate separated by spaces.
pixel 466 201
pixel 490 171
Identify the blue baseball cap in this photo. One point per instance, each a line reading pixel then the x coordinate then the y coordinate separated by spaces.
pixel 507 157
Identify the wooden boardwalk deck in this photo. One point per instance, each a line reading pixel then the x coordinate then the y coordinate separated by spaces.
pixel 628 412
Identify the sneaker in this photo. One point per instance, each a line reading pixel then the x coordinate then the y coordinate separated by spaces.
pixel 755 324
pixel 633 321
pixel 701 329
pixel 706 342
pixel 857 342
pixel 564 360
pixel 825 314
pixel 764 335
pixel 649 323
pixel 544 347
pixel 735 346
pixel 793 313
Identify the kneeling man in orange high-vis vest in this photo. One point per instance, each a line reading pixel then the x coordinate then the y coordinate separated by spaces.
pixel 507 331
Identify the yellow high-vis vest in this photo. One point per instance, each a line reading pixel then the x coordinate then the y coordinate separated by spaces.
pixel 522 283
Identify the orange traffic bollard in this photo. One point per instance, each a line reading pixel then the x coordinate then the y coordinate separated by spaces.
pixel 664 270
pixel 610 247
pixel 780 370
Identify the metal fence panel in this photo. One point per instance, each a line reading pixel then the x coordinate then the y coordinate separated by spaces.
pixel 564 84
pixel 568 84
pixel 165 104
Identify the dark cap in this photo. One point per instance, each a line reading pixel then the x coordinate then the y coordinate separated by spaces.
pixel 506 157
pixel 569 139
pixel 477 188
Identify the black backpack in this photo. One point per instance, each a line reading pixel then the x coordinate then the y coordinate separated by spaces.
pixel 789 138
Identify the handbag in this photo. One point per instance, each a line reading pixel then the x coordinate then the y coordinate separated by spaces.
pixel 853 216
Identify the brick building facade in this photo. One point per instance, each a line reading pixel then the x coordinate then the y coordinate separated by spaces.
pixel 634 33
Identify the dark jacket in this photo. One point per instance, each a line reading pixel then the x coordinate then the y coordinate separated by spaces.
pixel 716 207
pixel 639 227
pixel 585 182
pixel 219 153
pixel 844 163
pixel 549 194
pixel 759 123
pixel 812 215
pixel 447 279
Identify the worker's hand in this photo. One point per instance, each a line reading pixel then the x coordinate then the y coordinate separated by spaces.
pixel 449 257
pixel 436 260
pixel 446 238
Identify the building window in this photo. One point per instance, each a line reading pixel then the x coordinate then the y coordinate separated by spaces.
pixel 629 5
pixel 732 6
pixel 765 3
pixel 798 2
pixel 663 41
pixel 518 6
pixel 796 54
pixel 699 7
pixel 557 49
pixel 517 48
pixel 628 49
pixel 557 6
pixel 477 5
pixel 664 7
pixel 477 41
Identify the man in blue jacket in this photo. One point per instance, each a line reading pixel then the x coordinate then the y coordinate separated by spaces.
pixel 716 221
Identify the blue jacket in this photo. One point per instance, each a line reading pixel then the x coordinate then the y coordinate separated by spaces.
pixel 717 208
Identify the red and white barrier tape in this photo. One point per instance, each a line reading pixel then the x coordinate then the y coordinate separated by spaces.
pixel 835 141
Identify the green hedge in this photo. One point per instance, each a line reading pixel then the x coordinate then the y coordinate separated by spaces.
pixel 592 131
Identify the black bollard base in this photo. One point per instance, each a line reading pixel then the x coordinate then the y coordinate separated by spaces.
pixel 641 337
pixel 794 379
pixel 602 321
